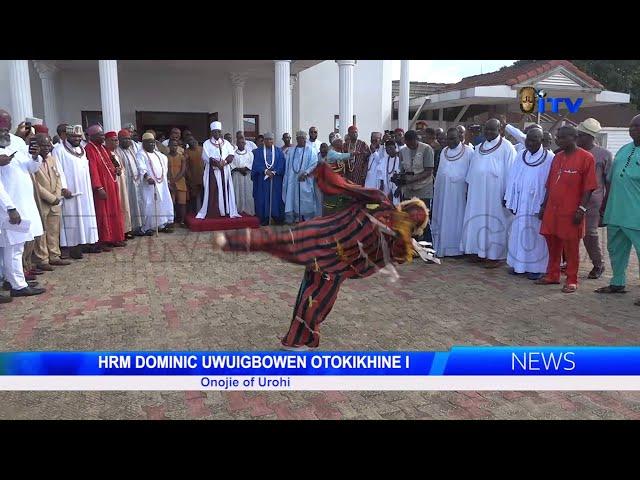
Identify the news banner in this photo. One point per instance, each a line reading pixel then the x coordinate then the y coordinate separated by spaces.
pixel 461 368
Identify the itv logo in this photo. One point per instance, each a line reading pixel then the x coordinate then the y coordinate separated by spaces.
pixel 530 97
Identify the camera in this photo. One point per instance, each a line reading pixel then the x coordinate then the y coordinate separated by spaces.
pixel 400 178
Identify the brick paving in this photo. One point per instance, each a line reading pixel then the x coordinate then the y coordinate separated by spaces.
pixel 174 293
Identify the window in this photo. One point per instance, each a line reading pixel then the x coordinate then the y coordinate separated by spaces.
pixel 251 127
pixel 91 117
pixel 336 123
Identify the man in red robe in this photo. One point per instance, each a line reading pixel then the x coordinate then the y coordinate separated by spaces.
pixel 571 181
pixel 106 194
pixel 368 237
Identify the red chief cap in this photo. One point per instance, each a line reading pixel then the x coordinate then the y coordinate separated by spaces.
pixel 110 135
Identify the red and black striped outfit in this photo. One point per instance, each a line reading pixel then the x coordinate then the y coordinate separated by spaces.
pixel 353 243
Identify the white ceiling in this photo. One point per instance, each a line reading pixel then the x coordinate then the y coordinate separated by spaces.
pixel 254 68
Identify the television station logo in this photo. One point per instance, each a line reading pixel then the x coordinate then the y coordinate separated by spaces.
pixel 530 97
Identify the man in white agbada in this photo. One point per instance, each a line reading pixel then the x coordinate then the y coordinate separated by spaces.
pixel 298 188
pixel 219 197
pixel 486 220
pixel 519 135
pixel 248 144
pixel 78 226
pixel 388 166
pixel 157 205
pixel 127 153
pixel 314 142
pixel 6 208
pixel 372 180
pixel 16 168
pixel 525 193
pixel 241 174
pixel 450 196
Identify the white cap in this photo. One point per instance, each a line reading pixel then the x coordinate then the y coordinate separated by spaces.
pixel 216 126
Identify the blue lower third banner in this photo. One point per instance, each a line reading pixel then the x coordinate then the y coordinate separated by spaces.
pixel 461 368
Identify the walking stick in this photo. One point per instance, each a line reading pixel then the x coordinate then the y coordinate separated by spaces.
pixel 155 205
pixel 299 206
pixel 270 197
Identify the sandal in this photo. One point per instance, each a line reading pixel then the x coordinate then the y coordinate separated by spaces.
pixel 569 288
pixel 546 281
pixel 611 289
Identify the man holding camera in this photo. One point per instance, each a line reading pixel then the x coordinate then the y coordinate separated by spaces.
pixel 416 172
pixel 16 168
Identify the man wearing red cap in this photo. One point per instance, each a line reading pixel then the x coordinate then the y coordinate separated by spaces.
pixel 366 238
pixel 356 167
pixel 106 193
pixel 111 144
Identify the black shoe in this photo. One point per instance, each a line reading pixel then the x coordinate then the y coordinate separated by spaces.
pixel 27 292
pixel 596 272
pixel 129 236
pixel 149 233
pixel 6 286
pixel 45 267
pixel 76 253
pixel 4 299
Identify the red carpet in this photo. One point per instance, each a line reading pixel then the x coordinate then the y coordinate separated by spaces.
pixel 222 223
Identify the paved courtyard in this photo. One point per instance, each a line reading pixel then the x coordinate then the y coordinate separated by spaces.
pixel 174 293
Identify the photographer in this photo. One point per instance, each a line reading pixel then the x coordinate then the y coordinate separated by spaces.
pixel 416 172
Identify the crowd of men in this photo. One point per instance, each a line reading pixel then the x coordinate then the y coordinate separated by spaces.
pixel 496 194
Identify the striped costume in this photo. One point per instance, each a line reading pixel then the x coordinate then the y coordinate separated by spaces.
pixel 357 242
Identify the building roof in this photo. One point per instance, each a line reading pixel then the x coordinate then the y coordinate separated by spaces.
pixel 515 75
pixel 417 89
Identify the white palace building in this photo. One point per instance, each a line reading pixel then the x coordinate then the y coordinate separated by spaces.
pixel 287 95
pixel 251 95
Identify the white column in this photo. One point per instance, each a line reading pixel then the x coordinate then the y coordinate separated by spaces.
pixel 345 94
pixel 295 114
pixel 47 72
pixel 110 95
pixel 282 98
pixel 20 85
pixel 403 103
pixel 238 81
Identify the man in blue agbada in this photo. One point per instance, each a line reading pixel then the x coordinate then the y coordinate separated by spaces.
pixel 299 195
pixel 267 173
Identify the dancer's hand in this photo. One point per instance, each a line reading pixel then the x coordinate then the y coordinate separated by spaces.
pixel 151 181
pixel 102 195
pixel 66 194
pixel 269 173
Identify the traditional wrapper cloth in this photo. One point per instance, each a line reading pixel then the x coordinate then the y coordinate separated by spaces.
pixel 111 135
pixel 124 133
pixel 94 129
pixel 74 130
pixel 216 126
pixel 366 238
pixel 148 136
